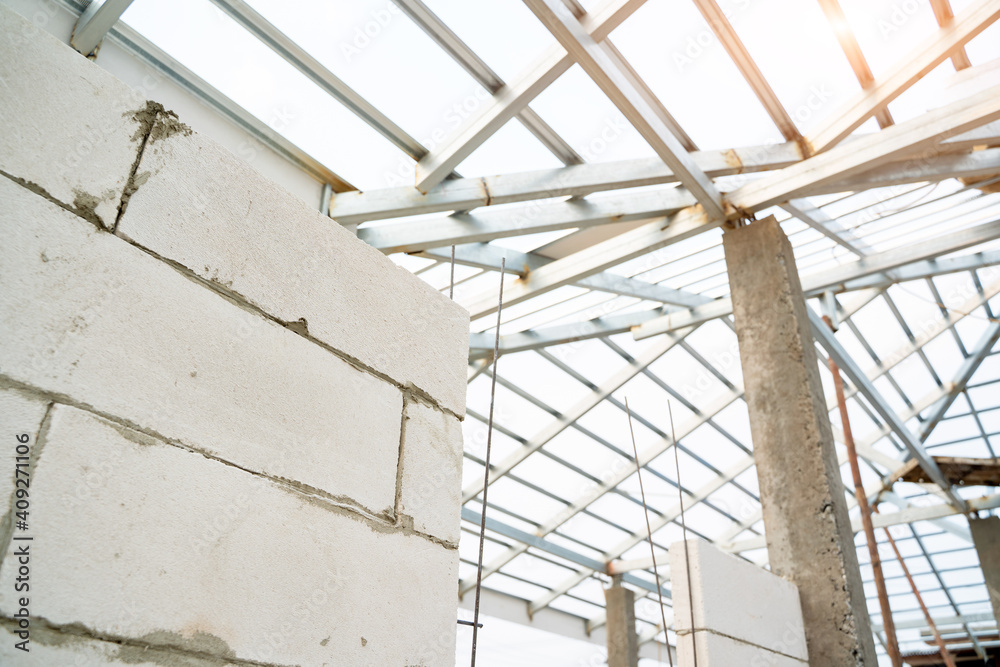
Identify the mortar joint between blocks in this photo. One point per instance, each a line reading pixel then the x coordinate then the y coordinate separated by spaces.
pixel 398 503
pixel 236 299
pixel 78 630
pixel 338 504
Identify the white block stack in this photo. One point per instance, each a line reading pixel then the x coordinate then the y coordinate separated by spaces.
pixel 743 614
pixel 243 423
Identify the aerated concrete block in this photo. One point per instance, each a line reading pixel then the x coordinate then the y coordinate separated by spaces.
pixel 86 315
pixel 50 648
pixel 70 129
pixel 201 206
pixel 177 550
pixel 717 651
pixel 431 479
pixel 737 599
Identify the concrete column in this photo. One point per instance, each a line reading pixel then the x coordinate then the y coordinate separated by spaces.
pixel 986 536
pixel 623 644
pixel 809 536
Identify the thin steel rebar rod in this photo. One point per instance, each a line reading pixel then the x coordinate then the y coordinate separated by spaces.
pixel 948 659
pixel 486 475
pixel 451 288
pixel 649 531
pixel 684 533
pixel 888 626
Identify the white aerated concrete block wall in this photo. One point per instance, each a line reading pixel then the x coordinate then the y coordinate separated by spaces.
pixel 241 425
pixel 743 615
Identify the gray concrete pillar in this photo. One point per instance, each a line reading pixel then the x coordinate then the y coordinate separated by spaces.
pixel 809 536
pixel 986 536
pixel 623 644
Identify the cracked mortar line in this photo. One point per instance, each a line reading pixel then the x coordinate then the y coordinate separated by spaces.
pixel 7 524
pixel 155 123
pixel 341 505
pixel 78 630
pixel 83 204
pixel 693 632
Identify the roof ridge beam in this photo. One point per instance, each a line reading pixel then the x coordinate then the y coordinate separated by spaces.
pixel 531 218
pixel 917 169
pixel 571 181
pixel 463 194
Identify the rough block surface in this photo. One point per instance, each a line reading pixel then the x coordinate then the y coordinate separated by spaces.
pixel 123 332
pixel 430 484
pixel 212 559
pixel 201 206
pixel 718 651
pixel 735 598
pixel 70 129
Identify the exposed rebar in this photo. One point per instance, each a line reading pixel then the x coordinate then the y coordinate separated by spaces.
pixel 486 475
pixel 649 531
pixel 451 288
pixel 888 626
pixel 948 660
pixel 684 533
